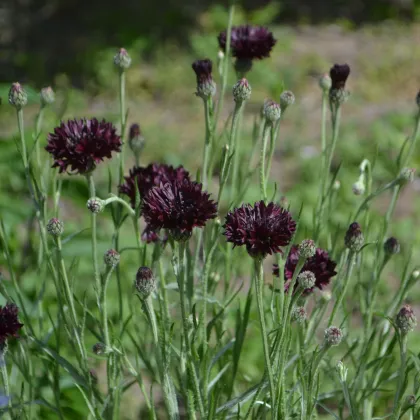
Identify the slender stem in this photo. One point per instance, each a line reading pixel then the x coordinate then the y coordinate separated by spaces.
pixel 263 181
pixel 344 287
pixel 38 128
pixel 4 375
pixel 324 128
pixel 225 64
pixel 274 134
pixel 413 141
pixel 259 282
pixel 92 193
pixel 122 118
pixel 67 289
pixel 181 271
pixel 237 148
pixel 114 198
pixel 401 378
pixel 104 310
pixel 22 138
pixel 208 111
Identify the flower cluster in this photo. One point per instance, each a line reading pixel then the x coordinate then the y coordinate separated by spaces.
pixel 77 146
pixel 320 265
pixel 262 228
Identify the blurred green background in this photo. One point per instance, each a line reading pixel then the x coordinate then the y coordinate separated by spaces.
pixel 70 44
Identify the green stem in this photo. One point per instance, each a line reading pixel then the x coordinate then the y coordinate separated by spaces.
pixel 123 122
pixel 38 128
pixel 92 193
pixel 237 149
pixel 413 141
pixel 67 289
pixel 259 283
pixel 104 310
pixel 117 199
pixel 401 378
pixel 225 65
pixel 208 106
pixel 274 134
pixel 5 377
pixel 22 138
pixel 181 271
pixel 263 181
pixel 344 287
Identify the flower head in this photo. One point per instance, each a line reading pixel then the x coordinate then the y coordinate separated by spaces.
pixel 135 139
pixel 406 319
pixel 111 258
pixel 122 60
pixel 262 228
pixel 354 238
pixel 339 74
pixel 145 282
pixel 79 145
pixel 206 86
pixel 55 227
pixel 333 336
pixel 9 322
pixel 241 90
pixel 47 96
pixel 299 314
pixel 17 96
pixel 320 265
pixel 249 42
pixel 178 206
pixel 150 176
pixel 392 246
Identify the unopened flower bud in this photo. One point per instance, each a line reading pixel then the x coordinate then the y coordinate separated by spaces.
pixel 206 87
pixel 299 314
pixel 306 279
pixel 272 111
pixel 17 96
pixel 359 188
pixel 410 402
pixel 284 202
pixel 287 98
pixel 342 371
pixel 354 238
pixel 333 336
pixel 99 348
pixel 145 282
pixel 220 55
pixel 95 205
pixel 418 99
pixel 47 96
pixel 325 296
pixel 215 277
pixel 337 185
pixel 135 139
pixel 55 227
pixel 111 258
pixel 415 274
pixel 122 60
pixel 392 246
pixel 307 248
pixel 406 320
pixel 241 90
pixel 406 175
pixel 325 82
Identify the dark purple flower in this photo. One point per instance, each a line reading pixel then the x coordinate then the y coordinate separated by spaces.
pixel 339 74
pixel 150 176
pixel 79 145
pixel 249 42
pixel 262 228
pixel 178 206
pixel 203 70
pixel 320 264
pixel 134 131
pixel 9 322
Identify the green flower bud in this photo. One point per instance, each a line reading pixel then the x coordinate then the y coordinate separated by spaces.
pixel 325 82
pixel 354 238
pixel 333 336
pixel 95 205
pixel 272 111
pixel 111 258
pixel 392 246
pixel 47 96
pixel 307 248
pixel 145 282
pixel 299 314
pixel 122 60
pixel 406 320
pixel 287 98
pixel 55 227
pixel 241 90
pixel 306 279
pixel 17 96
